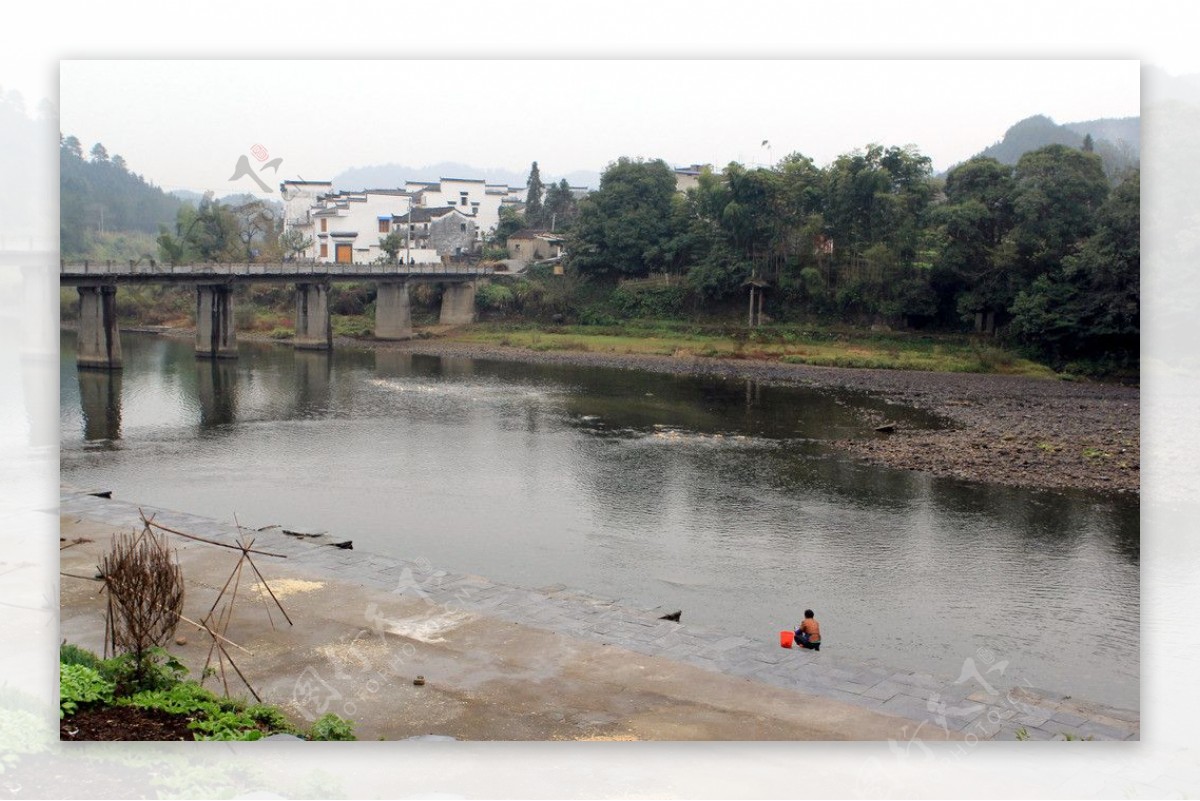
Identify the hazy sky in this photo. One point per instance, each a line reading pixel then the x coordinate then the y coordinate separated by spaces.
pixel 185 123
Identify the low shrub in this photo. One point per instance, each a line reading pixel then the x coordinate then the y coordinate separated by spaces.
pixel 330 727
pixel 79 686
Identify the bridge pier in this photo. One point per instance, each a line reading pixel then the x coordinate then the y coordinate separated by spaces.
pixel 215 337
pixel 99 341
pixel 314 329
pixel 458 304
pixel 393 316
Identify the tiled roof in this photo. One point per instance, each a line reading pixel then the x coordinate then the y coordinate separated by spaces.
pixel 423 214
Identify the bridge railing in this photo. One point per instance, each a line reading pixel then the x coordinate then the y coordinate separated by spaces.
pixel 328 271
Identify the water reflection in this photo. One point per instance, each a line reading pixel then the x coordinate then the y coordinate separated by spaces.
pixel 100 399
pixel 313 371
pixel 216 389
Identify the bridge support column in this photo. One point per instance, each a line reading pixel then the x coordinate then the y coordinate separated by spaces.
pixel 99 341
pixel 314 330
pixel 458 304
pixel 393 317
pixel 215 337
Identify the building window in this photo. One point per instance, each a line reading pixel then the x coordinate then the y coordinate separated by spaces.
pixel 324 226
pixel 385 226
pixel 462 198
pixel 462 226
pixel 324 246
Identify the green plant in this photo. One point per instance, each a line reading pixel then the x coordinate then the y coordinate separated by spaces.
pixel 156 670
pixel 330 727
pixel 281 332
pixel 80 685
pixel 213 717
pixel 70 654
pixel 1022 733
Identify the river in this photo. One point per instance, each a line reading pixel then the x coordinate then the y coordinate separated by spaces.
pixel 712 496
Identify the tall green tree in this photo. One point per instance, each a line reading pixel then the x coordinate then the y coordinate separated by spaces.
pixel 560 209
pixel 1088 308
pixel 1057 192
pixel 625 226
pixel 534 210
pixel 974 271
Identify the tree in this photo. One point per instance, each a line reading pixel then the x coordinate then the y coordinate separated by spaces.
pixel 973 272
pixel 119 162
pixel 560 208
pixel 391 245
pixel 511 221
pixel 99 153
pixel 1089 308
pixel 295 243
pixel 72 146
pixel 210 233
pixel 258 229
pixel 1057 191
pixel 1089 146
pixel 534 211
pixel 624 227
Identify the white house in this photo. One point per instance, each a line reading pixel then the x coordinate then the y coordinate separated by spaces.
pixel 347 227
pixel 299 201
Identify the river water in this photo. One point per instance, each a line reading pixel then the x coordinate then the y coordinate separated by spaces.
pixel 715 497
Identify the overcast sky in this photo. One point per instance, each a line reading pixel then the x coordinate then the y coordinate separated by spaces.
pixel 184 124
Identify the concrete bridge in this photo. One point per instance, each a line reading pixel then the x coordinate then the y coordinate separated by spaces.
pixel 97 283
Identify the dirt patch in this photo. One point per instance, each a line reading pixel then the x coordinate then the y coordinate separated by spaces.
pixel 282 588
pixel 124 723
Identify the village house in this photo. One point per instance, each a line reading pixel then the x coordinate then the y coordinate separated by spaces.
pixel 434 234
pixel 689 177
pixel 529 245
pixel 347 227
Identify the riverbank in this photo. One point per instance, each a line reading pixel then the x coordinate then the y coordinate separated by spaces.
pixel 1001 429
pixel 501 662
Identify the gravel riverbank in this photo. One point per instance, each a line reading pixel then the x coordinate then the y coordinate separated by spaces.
pixel 1009 430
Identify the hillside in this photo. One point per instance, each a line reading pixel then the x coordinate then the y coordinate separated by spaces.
pixel 1116 141
pixel 100 195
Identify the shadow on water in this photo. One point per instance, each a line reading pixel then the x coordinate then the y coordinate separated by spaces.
pixel 100 400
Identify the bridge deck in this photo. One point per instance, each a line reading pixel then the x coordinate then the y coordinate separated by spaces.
pixel 89 273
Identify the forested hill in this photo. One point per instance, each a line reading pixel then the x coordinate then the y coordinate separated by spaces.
pixel 1116 141
pixel 99 194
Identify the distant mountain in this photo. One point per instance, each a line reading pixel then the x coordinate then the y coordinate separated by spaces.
pixel 385 176
pixel 1116 141
pixel 237 199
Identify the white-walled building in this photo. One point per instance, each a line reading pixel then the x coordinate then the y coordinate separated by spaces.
pixel 348 226
pixel 299 202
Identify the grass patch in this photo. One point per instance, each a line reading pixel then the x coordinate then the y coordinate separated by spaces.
pixel 352 325
pixel 821 347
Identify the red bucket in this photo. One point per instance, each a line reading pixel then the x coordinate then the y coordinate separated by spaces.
pixel 786 638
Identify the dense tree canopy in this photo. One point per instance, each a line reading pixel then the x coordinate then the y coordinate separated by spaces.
pixel 1037 251
pixel 625 226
